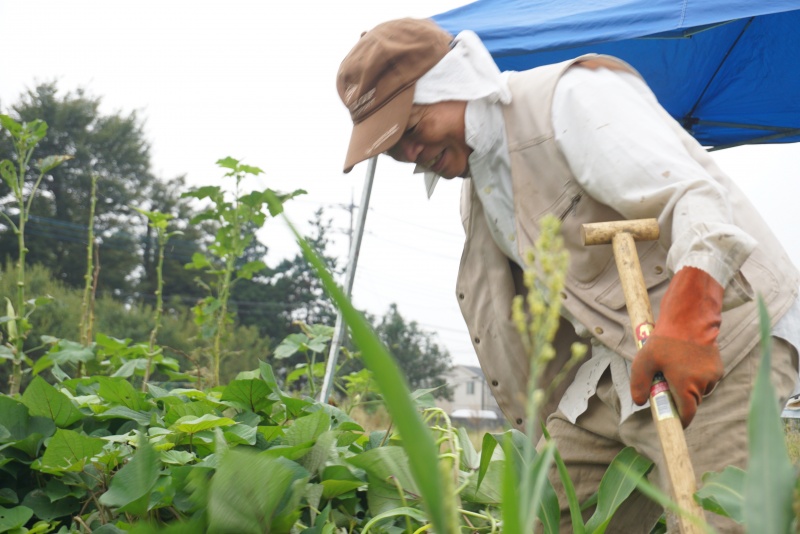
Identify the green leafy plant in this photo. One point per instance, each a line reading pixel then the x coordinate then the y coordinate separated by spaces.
pixel 238 220
pixel 25 136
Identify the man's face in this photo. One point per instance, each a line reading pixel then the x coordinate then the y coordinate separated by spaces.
pixel 434 139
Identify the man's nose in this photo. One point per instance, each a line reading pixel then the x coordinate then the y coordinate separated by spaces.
pixel 406 150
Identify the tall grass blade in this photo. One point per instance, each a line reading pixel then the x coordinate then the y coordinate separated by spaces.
pixel 617 484
pixel 769 481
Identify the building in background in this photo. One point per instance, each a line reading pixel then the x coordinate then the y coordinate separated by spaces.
pixel 472 403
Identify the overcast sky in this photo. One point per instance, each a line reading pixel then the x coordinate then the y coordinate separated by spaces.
pixel 255 80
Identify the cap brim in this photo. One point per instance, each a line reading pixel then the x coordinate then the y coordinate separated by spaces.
pixel 381 130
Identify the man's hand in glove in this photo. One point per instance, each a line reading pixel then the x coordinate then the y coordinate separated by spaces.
pixel 683 345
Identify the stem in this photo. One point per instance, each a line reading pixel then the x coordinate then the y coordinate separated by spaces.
pixel 87 277
pixel 311 374
pixel 15 379
pixel 163 237
pixel 84 327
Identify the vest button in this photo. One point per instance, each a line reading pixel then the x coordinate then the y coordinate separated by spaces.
pixel 494 382
pixel 519 420
pixel 477 340
pixel 598 330
pixel 563 295
pixel 461 296
pixel 659 269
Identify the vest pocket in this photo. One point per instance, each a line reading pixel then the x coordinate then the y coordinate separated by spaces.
pixel 653 262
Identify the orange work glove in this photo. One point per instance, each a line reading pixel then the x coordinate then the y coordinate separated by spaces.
pixel 683 345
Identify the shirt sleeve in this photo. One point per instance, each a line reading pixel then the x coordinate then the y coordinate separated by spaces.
pixel 613 135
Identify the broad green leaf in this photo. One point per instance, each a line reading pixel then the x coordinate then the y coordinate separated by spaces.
pixel 418 442
pixel 39 501
pixel 293 452
pixel 14 518
pixel 723 493
pixel 491 488
pixel 67 351
pixel 70 451
pixel 308 428
pixel 490 442
pixel 384 496
pixel 338 479
pixel 228 163
pixel 26 433
pixel 123 412
pixel 56 489
pixel 44 400
pixel 8 496
pixel 320 453
pixel 618 482
pixel 241 434
pixel 208 191
pixel 194 409
pixel 239 503
pixel 384 463
pixel 770 478
pixel 37 129
pixel 291 345
pixel 110 344
pixel 177 457
pixel 271 433
pixel 192 425
pixel 268 375
pixel 129 368
pixel 13 127
pixel 131 486
pixel 122 392
pixel 252 394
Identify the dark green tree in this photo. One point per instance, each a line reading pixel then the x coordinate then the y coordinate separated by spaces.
pixel 418 355
pixel 113 148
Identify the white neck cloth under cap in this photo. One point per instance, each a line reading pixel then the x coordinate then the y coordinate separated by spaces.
pixel 467 72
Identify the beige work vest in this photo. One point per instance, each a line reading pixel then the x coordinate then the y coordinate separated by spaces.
pixel 542 184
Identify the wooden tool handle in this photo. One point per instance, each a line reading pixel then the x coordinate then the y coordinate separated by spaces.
pixel 670 430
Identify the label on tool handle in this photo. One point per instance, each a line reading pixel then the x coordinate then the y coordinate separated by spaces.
pixel 643 331
pixel 659 390
pixel 660 399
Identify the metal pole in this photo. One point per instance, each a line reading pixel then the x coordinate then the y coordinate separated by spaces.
pixel 350 274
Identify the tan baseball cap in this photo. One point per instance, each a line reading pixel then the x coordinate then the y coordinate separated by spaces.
pixel 376 81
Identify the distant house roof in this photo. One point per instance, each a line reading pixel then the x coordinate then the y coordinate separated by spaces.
pixel 475 369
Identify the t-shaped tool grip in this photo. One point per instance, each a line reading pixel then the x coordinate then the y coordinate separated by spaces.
pixel 623 236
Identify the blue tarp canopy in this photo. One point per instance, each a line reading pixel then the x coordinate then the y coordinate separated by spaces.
pixel 727 70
